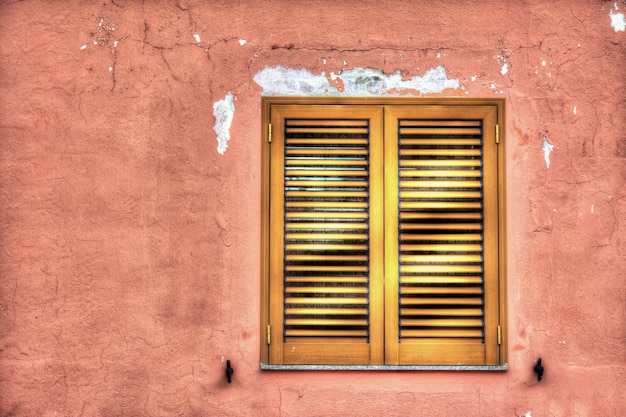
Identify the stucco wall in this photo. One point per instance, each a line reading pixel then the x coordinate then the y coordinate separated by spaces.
pixel 130 198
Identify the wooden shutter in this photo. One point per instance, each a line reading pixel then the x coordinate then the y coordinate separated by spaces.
pixel 325 235
pixel 442 234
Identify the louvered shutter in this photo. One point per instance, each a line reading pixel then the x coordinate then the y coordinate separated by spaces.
pixel 442 253
pixel 326 244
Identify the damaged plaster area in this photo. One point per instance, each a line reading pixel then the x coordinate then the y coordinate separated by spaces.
pixel 547 148
pixel 223 111
pixel 353 82
pixel 617 20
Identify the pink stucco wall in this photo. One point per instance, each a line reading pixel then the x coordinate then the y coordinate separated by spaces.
pixel 130 247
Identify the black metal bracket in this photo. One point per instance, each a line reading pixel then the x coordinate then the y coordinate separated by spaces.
pixel 229 371
pixel 538 369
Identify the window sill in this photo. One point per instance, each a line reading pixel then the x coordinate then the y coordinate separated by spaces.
pixel 499 368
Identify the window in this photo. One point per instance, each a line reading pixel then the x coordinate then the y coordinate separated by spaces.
pixel 383 232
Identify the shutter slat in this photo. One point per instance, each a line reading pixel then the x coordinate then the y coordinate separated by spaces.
pixel 440 184
pixel 444 301
pixel 428 259
pixel 441 226
pixel 443 333
pixel 457 215
pixel 460 247
pixel 325 333
pixel 323 215
pixel 327 130
pixel 458 322
pixel 326 322
pixel 325 173
pixel 326 151
pixel 326 236
pixel 444 152
pixel 302 311
pixel 325 194
pixel 325 183
pixel 434 195
pixel 325 258
pixel 323 162
pixel 324 268
pixel 328 278
pixel 442 237
pixel 440 130
pixel 325 141
pixel 437 173
pixel 327 204
pixel 425 122
pixel 441 142
pixel 326 226
pixel 440 290
pixel 326 300
pixel 327 290
pixel 437 163
pixel 447 312
pixel 324 122
pixel 441 269
pixel 439 280
pixel 441 205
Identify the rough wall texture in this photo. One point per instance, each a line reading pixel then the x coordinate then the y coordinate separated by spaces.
pixel 130 198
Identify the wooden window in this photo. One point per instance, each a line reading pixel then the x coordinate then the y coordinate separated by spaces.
pixel 383 232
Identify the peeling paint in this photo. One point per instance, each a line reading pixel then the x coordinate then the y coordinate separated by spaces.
pixel 223 111
pixel 356 82
pixel 505 68
pixel 617 20
pixel 547 148
pixel 196 37
pixel 242 42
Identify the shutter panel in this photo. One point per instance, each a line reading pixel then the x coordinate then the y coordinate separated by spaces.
pixel 329 250
pixel 441 262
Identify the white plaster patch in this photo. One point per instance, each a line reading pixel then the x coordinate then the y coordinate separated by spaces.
pixel 223 111
pixel 528 414
pixel 547 148
pixel 505 69
pixel 242 42
pixel 617 20
pixel 82 48
pixel 356 82
pixel 196 37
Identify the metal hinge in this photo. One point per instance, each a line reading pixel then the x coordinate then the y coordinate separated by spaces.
pixel 268 332
pixel 269 133
pixel 497 133
pixel 499 335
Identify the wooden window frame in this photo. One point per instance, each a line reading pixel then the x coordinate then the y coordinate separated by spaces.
pixel 384 352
